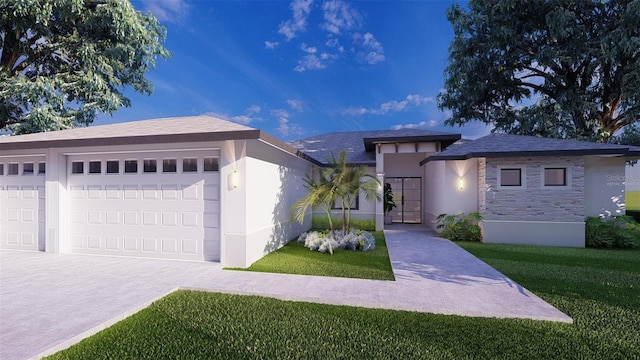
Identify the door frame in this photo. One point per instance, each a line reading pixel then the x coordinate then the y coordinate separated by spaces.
pixel 401 205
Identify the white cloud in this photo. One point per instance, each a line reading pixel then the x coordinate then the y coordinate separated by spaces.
pixel 391 106
pixel 339 16
pixel 371 51
pixel 295 104
pixel 420 125
pixel 253 109
pixel 285 127
pixel 308 49
pixel 335 43
pixel 168 10
pixel 300 9
pixel 271 44
pixel 309 62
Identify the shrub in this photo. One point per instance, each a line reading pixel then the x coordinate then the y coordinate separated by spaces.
pixel 613 232
pixel 460 227
pixel 321 222
pixel 327 241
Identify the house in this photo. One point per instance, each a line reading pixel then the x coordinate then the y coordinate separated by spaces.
pixel 201 188
pixel 192 188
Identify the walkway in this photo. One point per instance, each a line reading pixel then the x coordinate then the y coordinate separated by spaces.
pixel 49 301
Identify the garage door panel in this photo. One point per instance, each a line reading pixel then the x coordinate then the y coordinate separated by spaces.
pixel 22 206
pixel 147 215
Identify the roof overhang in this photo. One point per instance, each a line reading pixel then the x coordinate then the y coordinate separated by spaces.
pixel 583 152
pixel 446 139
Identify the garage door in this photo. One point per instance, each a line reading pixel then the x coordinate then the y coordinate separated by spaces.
pixel 162 205
pixel 22 203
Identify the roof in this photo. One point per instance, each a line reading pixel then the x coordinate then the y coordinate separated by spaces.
pixel 154 131
pixel 360 145
pixel 499 145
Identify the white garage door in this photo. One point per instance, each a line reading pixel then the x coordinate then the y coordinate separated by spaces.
pixel 162 205
pixel 22 203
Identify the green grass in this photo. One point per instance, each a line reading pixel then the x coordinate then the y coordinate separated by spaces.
pixel 294 258
pixel 598 288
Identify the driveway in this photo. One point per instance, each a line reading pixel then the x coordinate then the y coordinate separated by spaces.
pixel 50 301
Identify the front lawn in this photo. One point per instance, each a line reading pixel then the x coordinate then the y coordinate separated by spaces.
pixel 294 258
pixel 598 288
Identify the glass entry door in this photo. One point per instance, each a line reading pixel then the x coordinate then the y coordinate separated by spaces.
pixel 407 194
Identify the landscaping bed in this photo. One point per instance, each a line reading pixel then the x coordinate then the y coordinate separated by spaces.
pixel 294 258
pixel 597 288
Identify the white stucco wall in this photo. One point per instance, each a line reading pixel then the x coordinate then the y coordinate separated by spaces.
pixel 256 218
pixel 444 195
pixel 604 186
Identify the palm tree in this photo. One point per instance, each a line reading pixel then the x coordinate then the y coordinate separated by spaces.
pixel 320 195
pixel 348 182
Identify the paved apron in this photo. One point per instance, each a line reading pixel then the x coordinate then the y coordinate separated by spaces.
pixel 50 301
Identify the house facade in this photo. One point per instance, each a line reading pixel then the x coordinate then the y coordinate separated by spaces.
pixel 201 188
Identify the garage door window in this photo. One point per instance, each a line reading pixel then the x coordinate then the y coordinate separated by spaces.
pixel 189 165
pixel 131 166
pixel 113 167
pixel 1 169
pixel 77 167
pixel 169 165
pixel 42 168
pixel 210 164
pixel 27 169
pixel 95 167
pixel 149 166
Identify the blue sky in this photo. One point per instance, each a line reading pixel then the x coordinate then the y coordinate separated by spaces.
pixel 301 68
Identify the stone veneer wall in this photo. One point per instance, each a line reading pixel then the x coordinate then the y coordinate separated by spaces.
pixel 482 186
pixel 534 203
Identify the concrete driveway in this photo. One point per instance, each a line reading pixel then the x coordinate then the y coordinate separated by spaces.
pixel 50 301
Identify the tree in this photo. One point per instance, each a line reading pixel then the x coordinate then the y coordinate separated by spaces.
pixel 62 62
pixel 338 181
pixel 555 68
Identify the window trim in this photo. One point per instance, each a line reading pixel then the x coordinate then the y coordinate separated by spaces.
pixel 190 171
pixel 24 173
pixel 89 172
pixel 124 167
pixel 144 166
pixel 337 206
pixel 17 167
pixel 106 167
pixel 175 171
pixel 523 177
pixel 72 172
pixel 567 178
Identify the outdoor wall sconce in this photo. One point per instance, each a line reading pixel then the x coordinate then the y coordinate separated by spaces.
pixel 235 179
pixel 461 183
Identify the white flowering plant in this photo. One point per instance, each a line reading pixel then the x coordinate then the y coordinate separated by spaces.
pixel 326 241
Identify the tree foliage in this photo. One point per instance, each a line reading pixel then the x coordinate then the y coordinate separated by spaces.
pixel 64 61
pixel 555 68
pixel 340 181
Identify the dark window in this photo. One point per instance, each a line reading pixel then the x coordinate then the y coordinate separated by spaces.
pixel 130 166
pixel 113 167
pixel 77 167
pixel 1 169
pixel 189 165
pixel 169 165
pixel 27 169
pixel 42 168
pixel 95 167
pixel 211 164
pixel 13 169
pixel 355 204
pixel 510 177
pixel 150 166
pixel 555 177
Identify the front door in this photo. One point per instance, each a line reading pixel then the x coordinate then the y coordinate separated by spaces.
pixel 407 194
